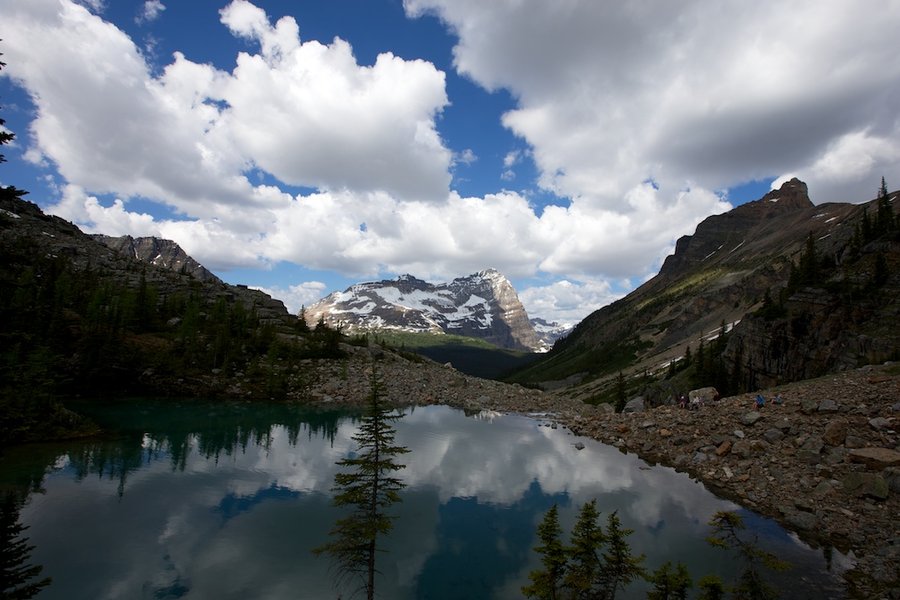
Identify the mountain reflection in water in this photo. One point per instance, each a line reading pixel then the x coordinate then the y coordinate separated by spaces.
pixel 203 500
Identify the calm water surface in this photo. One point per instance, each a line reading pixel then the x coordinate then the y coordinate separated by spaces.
pixel 196 500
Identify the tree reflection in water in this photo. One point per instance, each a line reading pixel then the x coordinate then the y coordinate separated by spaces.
pixel 18 578
pixel 368 488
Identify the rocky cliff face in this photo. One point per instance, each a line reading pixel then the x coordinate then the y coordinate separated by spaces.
pixel 156 251
pixel 483 305
pixel 723 273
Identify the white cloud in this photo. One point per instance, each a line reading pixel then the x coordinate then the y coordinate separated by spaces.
pixel 150 11
pixel 295 297
pixel 567 302
pixel 610 94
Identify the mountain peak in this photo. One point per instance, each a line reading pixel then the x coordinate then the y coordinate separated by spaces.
pixel 482 305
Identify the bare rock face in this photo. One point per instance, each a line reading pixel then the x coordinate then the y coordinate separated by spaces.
pixel 482 305
pixel 159 252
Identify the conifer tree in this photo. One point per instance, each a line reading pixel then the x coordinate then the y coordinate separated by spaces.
pixel 670 583
pixel 17 577
pixel 8 192
pixel 751 585
pixel 620 567
pixel 711 587
pixel 620 393
pixel 584 553
pixel 368 487
pixel 545 583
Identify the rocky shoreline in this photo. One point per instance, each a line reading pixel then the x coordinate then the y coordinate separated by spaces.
pixel 825 463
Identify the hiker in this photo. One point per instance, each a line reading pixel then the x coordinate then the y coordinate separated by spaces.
pixel 682 402
pixel 760 401
pixel 777 399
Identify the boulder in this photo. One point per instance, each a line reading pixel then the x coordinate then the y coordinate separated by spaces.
pixel 804 521
pixel 875 458
pixel 706 395
pixel 773 435
pixel 879 423
pixel 828 406
pixel 835 432
pixel 634 405
pixel 866 484
pixel 751 418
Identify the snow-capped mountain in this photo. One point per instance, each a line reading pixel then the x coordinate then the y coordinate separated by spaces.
pixel 549 332
pixel 482 305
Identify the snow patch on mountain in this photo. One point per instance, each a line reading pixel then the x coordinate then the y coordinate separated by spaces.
pixel 483 305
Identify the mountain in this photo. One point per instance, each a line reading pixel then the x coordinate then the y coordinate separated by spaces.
pixel 482 305
pixel 778 289
pixel 159 252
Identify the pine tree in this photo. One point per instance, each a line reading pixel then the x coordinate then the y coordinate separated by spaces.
pixel 16 575
pixel 620 393
pixel 711 588
pixel 545 583
pixel 620 567
pixel 727 527
pixel 9 192
pixel 584 553
pixel 670 583
pixel 368 487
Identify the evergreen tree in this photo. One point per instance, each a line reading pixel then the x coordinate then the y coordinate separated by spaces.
pixel 17 577
pixel 620 393
pixel 884 217
pixel 670 583
pixel 368 487
pixel 545 583
pixel 620 567
pixel 584 553
pixel 751 585
pixel 711 588
pixel 8 192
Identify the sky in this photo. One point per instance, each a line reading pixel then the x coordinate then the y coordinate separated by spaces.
pixel 302 146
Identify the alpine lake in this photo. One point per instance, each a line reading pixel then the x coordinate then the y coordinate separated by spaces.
pixel 197 500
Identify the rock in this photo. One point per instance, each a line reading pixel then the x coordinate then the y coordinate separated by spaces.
pixel 835 432
pixel 606 408
pixel 751 418
pixel 742 449
pixel 724 448
pixel 773 435
pixel 803 521
pixel 635 405
pixel 808 406
pixel 854 441
pixel 783 425
pixel 879 423
pixel 892 477
pixel 827 406
pixel 866 484
pixel 578 446
pixel 648 424
pixel 706 395
pixel 875 458
pixel 738 434
pixel 665 433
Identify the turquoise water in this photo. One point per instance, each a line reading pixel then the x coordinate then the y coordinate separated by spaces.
pixel 199 500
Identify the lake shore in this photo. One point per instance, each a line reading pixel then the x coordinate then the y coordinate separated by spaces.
pixel 824 463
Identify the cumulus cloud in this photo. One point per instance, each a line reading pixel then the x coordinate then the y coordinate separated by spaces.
pixel 295 297
pixel 608 98
pixel 613 93
pixel 150 11
pixel 567 302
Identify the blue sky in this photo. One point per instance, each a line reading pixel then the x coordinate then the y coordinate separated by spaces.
pixel 303 146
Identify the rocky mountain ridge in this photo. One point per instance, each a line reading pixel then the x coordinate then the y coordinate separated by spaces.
pixel 483 305
pixel 159 252
pixel 800 290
